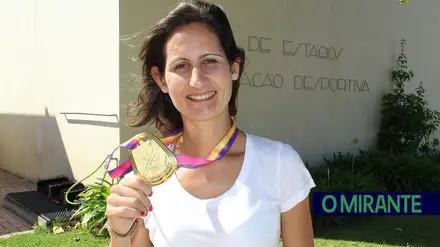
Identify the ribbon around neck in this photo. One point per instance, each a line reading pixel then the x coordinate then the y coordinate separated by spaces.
pixel 183 161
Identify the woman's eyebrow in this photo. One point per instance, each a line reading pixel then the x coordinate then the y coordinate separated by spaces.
pixel 211 54
pixel 177 59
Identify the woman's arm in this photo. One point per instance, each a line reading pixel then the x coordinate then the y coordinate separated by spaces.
pixel 140 238
pixel 296 226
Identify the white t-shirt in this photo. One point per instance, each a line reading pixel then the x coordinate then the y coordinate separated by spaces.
pixel 273 179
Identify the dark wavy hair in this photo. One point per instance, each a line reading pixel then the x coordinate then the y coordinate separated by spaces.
pixel 153 107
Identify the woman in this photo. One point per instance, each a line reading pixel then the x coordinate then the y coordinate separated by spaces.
pixel 253 195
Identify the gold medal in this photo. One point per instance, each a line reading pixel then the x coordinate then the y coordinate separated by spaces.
pixel 153 161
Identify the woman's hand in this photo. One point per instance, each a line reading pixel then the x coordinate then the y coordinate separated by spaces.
pixel 128 200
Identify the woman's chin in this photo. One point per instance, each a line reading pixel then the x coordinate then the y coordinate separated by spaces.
pixel 203 114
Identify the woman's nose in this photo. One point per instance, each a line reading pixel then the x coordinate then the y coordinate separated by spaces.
pixel 197 78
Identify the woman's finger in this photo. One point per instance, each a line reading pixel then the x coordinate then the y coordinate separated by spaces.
pixel 116 201
pixel 136 194
pixel 136 182
pixel 123 212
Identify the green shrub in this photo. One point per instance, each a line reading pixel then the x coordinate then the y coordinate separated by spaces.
pixel 340 161
pixel 402 172
pixel 339 180
pixel 407 124
pixel 93 206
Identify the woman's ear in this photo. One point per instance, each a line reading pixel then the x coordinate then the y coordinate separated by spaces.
pixel 235 69
pixel 160 81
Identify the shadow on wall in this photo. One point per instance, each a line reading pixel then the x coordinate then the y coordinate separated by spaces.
pixel 31 147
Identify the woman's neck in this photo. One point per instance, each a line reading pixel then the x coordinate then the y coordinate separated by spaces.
pixel 200 137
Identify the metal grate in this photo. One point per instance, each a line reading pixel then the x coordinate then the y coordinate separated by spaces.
pixel 40 205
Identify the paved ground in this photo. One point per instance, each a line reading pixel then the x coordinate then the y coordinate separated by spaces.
pixel 10 222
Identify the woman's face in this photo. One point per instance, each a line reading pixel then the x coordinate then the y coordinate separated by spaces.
pixel 198 76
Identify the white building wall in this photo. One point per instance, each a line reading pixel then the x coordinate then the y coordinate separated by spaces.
pixel 316 69
pixel 58 57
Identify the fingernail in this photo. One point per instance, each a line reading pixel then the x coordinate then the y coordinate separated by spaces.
pixel 143 213
pixel 151 208
pixel 151 193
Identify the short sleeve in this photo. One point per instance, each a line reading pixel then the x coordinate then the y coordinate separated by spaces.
pixel 295 180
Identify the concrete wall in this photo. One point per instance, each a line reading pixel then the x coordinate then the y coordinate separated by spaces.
pixel 58 57
pixel 316 70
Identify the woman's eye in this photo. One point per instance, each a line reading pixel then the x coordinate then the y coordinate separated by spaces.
pixel 210 61
pixel 180 66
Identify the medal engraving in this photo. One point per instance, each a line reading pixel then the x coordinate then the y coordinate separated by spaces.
pixel 153 161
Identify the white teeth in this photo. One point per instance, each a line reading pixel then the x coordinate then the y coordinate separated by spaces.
pixel 201 97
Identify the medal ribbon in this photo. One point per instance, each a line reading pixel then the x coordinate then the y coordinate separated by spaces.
pixel 183 161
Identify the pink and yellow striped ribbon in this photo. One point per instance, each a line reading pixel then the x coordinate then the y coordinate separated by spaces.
pixel 183 161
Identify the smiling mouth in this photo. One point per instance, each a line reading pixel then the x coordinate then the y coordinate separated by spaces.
pixel 201 97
